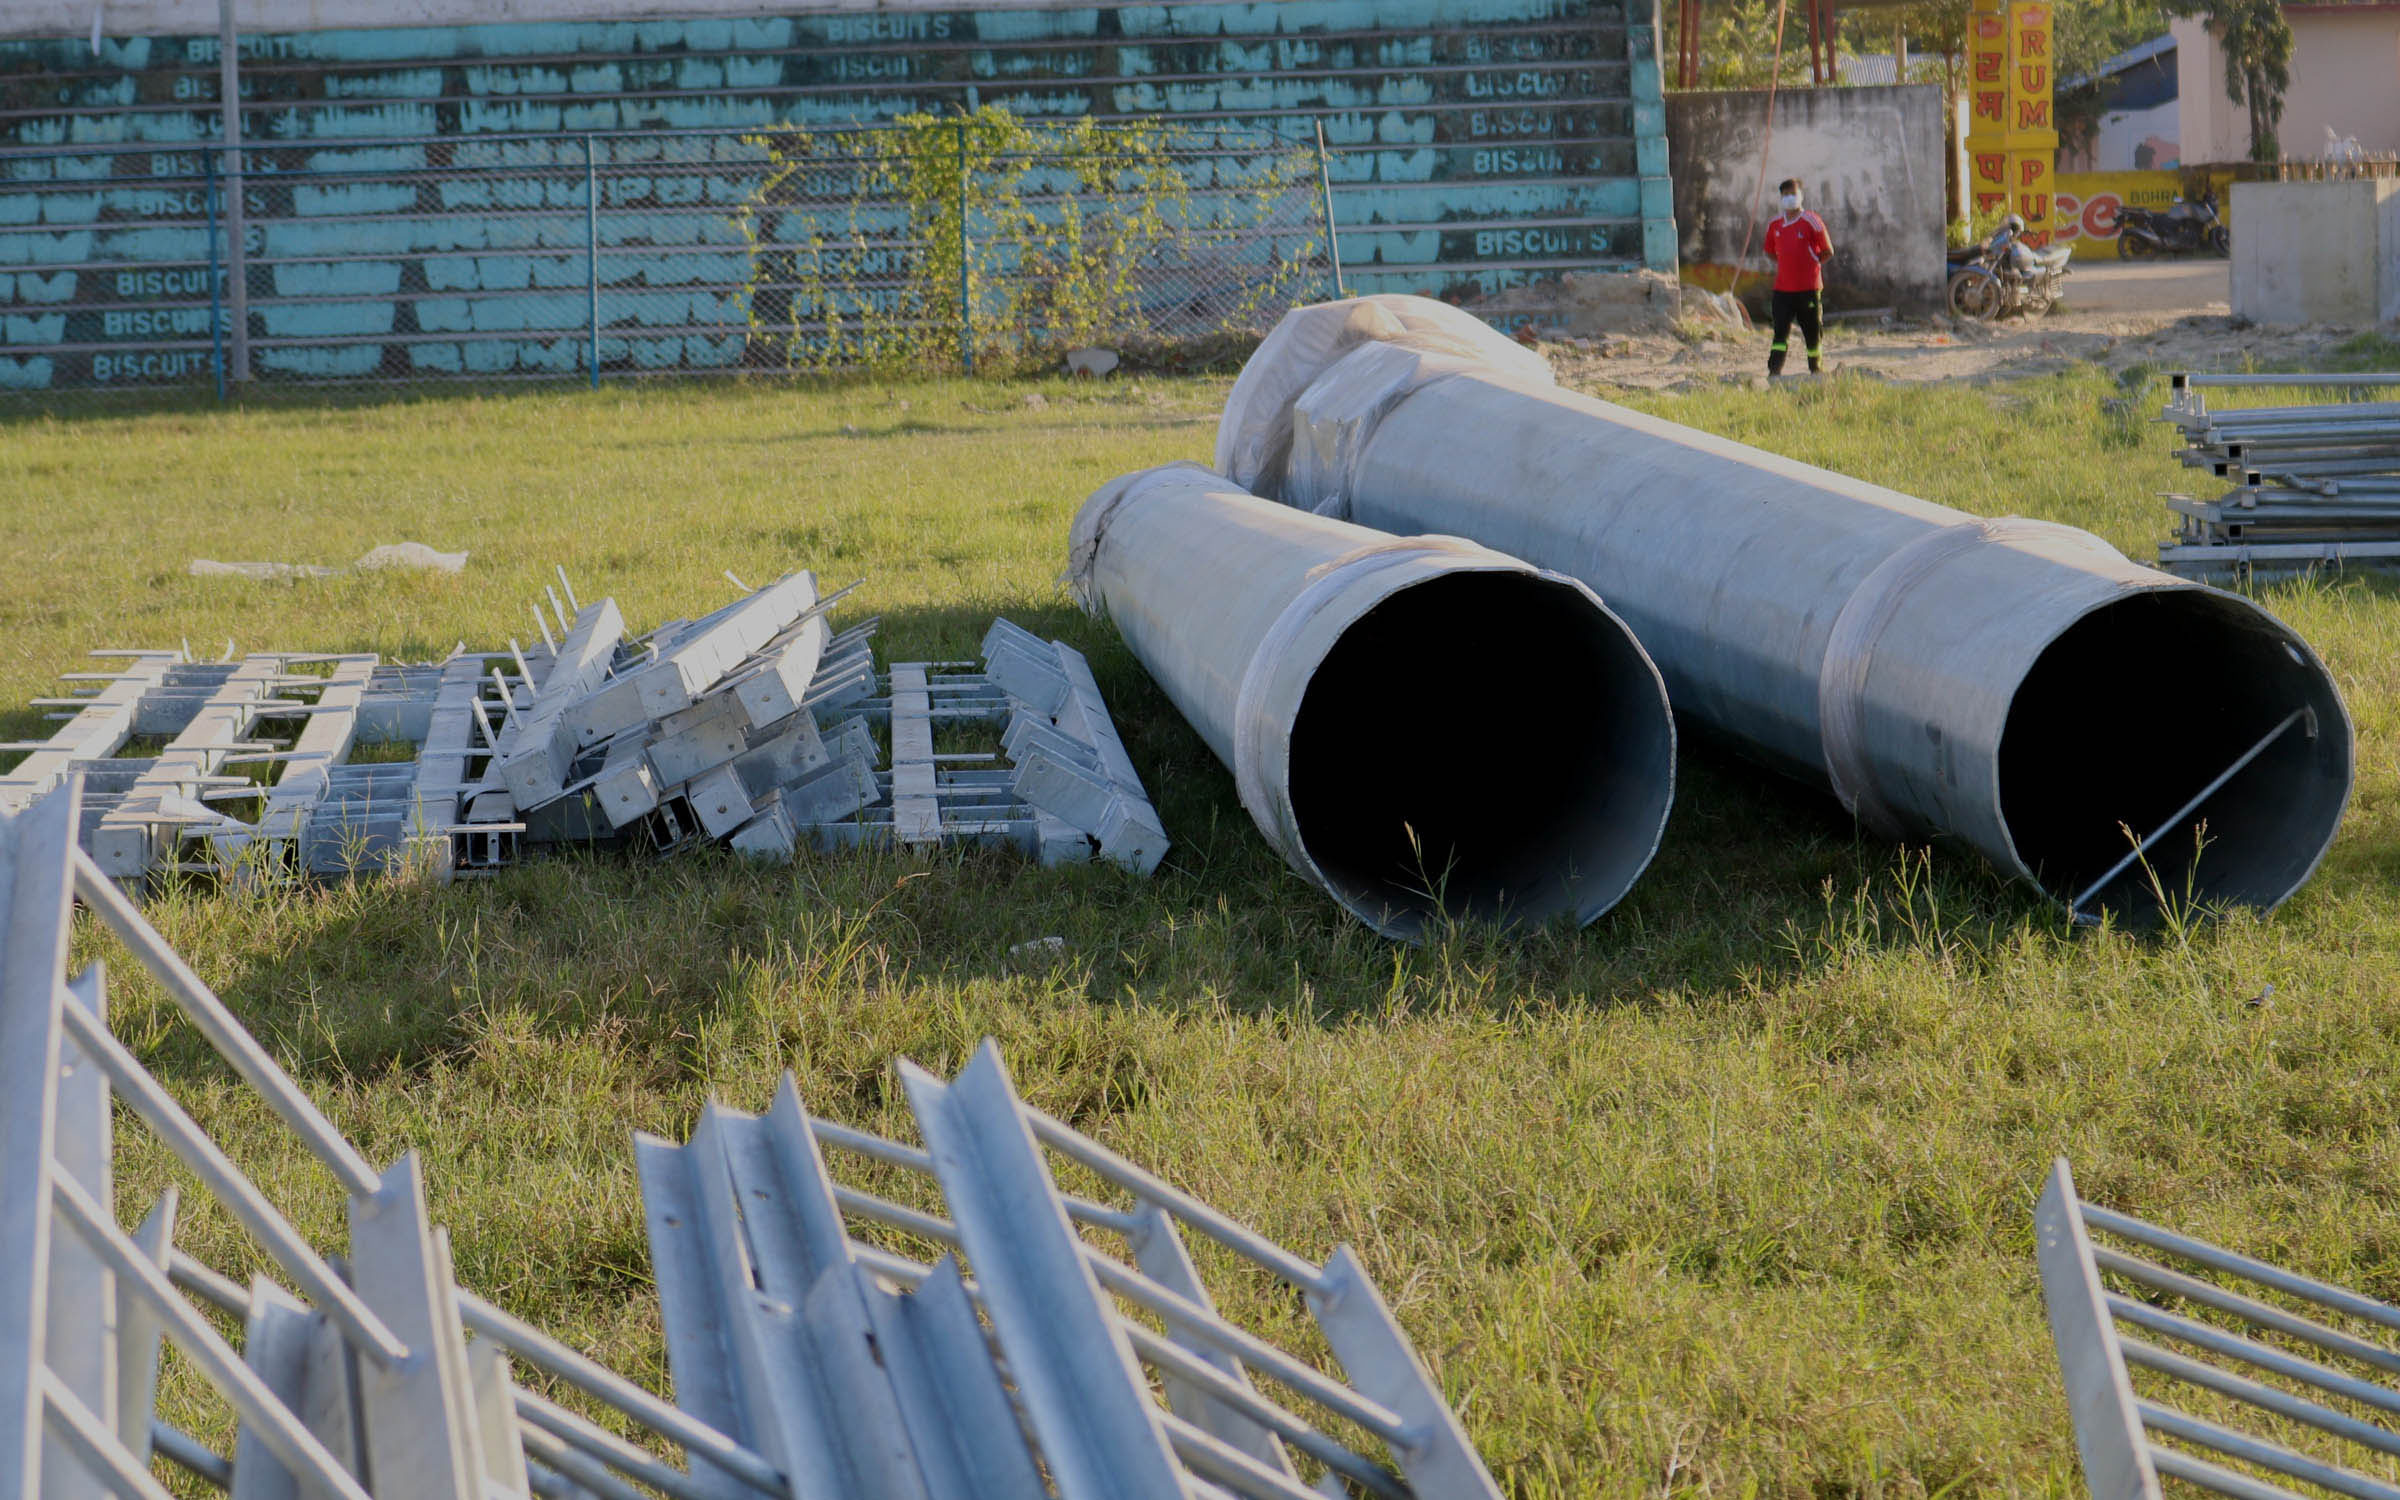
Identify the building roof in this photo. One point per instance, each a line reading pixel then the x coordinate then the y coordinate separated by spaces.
pixel 2131 57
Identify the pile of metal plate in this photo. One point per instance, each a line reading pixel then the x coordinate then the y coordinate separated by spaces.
pixel 757 726
pixel 814 1352
pixel 2312 486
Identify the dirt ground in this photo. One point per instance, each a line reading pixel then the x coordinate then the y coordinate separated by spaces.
pixel 2172 315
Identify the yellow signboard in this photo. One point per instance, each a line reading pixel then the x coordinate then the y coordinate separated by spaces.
pixel 2012 139
pixel 2088 204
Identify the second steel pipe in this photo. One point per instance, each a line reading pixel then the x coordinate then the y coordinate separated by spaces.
pixel 2018 685
pixel 1421 726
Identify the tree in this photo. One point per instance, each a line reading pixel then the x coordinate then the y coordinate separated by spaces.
pixel 2258 61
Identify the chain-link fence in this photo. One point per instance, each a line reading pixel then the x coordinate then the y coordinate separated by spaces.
pixel 980 241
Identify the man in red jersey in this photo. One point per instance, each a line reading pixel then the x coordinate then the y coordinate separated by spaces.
pixel 1799 244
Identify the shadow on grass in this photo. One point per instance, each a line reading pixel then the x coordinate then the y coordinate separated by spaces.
pixel 1759 882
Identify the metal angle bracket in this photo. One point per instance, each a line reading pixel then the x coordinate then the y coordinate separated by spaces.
pixel 422 1437
pixel 1085 1395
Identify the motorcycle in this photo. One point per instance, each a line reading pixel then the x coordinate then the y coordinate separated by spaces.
pixel 2004 276
pixel 2184 228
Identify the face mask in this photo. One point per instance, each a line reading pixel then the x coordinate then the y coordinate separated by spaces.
pixel 1791 203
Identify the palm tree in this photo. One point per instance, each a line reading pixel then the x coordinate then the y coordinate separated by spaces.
pixel 2258 61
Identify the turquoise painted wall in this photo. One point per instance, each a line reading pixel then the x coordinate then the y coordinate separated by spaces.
pixel 1479 144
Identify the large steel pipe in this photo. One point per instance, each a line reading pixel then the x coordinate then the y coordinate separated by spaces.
pixel 2015 684
pixel 1419 725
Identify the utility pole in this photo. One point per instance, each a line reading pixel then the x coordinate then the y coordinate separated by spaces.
pixel 237 259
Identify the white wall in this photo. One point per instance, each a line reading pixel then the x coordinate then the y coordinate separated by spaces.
pixel 2345 76
pixel 2117 147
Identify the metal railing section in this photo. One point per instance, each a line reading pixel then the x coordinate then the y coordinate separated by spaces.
pixel 2192 1335
pixel 2313 486
pixel 359 1367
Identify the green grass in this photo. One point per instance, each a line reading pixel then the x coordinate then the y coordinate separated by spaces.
pixel 1727 1195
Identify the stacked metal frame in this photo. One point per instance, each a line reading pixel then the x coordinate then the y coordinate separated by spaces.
pixel 354 1376
pixel 2129 1437
pixel 1025 1346
pixel 753 727
pixel 2313 486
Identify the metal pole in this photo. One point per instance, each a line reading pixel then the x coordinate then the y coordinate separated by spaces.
pixel 1333 241
pixel 591 250
pixel 966 306
pixel 237 268
pixel 216 290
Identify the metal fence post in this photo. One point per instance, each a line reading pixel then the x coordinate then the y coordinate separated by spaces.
pixel 591 250
pixel 216 290
pixel 966 305
pixel 237 254
pixel 1333 241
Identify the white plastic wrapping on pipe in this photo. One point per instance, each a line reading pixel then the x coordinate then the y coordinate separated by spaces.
pixel 2018 685
pixel 1419 725
pixel 1255 434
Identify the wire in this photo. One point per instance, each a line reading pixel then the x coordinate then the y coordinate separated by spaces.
pixel 1741 267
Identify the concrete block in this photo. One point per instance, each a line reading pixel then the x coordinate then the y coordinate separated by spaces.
pixel 2317 252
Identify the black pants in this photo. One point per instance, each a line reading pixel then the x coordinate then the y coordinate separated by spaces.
pixel 1806 308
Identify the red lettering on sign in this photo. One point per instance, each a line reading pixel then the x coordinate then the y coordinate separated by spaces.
pixel 1988 67
pixel 1992 105
pixel 2035 207
pixel 1991 166
pixel 2033 78
pixel 1988 27
pixel 2033 43
pixel 1988 202
pixel 2031 170
pixel 2099 215
pixel 2033 114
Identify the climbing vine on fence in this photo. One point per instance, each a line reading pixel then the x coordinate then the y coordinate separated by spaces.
pixel 987 241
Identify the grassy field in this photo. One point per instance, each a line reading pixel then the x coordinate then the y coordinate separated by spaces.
pixel 1726 1195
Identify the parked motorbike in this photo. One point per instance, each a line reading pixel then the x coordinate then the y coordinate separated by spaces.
pixel 2183 228
pixel 2004 276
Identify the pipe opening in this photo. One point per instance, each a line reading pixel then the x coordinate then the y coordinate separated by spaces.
pixel 1440 761
pixel 2136 709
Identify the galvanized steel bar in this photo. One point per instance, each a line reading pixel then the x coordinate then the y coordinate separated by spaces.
pixel 544 1352
pixel 2325 1294
pixel 241 1197
pixel 228 1036
pixel 2108 1428
pixel 2266 1455
pixel 35 901
pixel 250 1398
